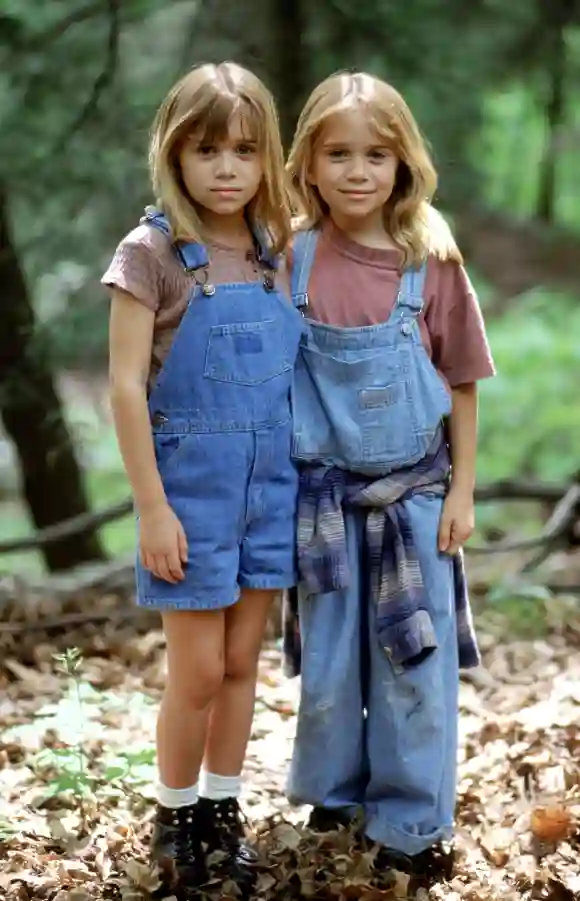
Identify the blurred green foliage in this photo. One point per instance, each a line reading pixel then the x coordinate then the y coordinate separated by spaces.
pixel 495 87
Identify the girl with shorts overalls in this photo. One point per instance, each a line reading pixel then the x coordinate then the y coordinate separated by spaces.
pixel 385 411
pixel 203 341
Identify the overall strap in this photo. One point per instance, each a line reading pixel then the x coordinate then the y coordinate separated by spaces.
pixel 303 250
pixel 412 288
pixel 192 255
pixel 266 258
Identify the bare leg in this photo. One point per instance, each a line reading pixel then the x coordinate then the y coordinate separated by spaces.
pixel 195 672
pixel 233 708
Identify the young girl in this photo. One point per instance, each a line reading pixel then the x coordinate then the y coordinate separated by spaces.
pixel 385 415
pixel 202 347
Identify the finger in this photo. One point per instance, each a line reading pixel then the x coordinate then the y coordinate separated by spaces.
pixel 162 568
pixel 174 565
pixel 148 561
pixel 454 546
pixel 445 527
pixel 152 567
pixel 182 544
pixel 459 536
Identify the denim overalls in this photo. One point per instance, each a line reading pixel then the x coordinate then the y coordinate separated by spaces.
pixel 369 733
pixel 220 416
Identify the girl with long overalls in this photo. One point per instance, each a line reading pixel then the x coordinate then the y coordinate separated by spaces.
pixel 203 340
pixel 385 411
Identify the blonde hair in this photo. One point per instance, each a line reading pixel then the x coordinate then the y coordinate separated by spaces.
pixel 410 219
pixel 205 99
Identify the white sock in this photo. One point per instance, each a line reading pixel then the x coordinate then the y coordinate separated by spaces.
pixel 177 797
pixel 216 787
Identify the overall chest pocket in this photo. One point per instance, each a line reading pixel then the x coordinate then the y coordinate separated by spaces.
pixel 246 353
pixel 356 408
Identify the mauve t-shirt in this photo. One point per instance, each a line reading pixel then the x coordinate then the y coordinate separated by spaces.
pixel 352 285
pixel 146 266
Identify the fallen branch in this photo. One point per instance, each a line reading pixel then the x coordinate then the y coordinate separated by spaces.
pixel 515 490
pixel 557 526
pixel 77 525
pixel 56 623
pixel 506 490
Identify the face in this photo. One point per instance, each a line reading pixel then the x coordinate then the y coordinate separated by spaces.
pixel 224 176
pixel 353 168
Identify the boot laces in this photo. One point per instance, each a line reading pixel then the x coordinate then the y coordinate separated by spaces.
pixel 185 844
pixel 229 821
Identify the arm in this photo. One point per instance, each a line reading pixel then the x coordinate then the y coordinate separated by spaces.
pixel 162 541
pixel 461 353
pixel 458 518
pixel 130 340
pixel 463 437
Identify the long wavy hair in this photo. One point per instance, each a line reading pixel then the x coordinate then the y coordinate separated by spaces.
pixel 410 219
pixel 205 100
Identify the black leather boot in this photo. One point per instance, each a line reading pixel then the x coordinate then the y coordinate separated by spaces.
pixel 176 847
pixel 221 824
pixel 329 819
pixel 435 864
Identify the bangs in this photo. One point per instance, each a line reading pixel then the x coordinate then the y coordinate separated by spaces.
pixel 384 125
pixel 389 118
pixel 379 119
pixel 211 124
pixel 215 105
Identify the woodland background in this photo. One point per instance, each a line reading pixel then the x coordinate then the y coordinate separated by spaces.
pixel 496 88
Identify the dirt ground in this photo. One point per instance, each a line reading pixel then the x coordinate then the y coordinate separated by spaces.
pixel 77 768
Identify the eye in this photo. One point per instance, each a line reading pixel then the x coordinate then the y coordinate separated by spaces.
pixel 380 153
pixel 337 153
pixel 245 149
pixel 206 149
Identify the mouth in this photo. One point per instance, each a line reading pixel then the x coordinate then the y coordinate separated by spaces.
pixel 225 190
pixel 355 193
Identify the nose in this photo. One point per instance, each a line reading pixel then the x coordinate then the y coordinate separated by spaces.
pixel 225 164
pixel 357 169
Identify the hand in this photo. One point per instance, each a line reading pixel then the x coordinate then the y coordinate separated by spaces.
pixel 162 543
pixel 457 520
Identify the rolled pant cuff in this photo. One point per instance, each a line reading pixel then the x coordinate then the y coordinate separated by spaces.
pixel 405 842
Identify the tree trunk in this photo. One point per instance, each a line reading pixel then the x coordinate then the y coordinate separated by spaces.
pixel 559 16
pixel 52 482
pixel 287 62
pixel 270 42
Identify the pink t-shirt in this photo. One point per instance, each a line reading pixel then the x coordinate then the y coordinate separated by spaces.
pixel 146 266
pixel 352 285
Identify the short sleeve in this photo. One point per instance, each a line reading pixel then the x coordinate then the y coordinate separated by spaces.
pixel 460 348
pixel 137 269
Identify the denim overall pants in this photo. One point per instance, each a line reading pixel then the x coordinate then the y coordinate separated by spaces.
pixel 221 423
pixel 370 734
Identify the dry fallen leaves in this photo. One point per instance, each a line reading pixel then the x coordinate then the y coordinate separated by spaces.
pixel 551 824
pixel 519 782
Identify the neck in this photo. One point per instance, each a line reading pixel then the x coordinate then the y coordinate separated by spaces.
pixel 233 231
pixel 369 231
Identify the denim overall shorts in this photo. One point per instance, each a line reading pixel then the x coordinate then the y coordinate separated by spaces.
pixel 221 422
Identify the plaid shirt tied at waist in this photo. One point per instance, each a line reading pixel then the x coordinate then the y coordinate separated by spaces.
pixel 395 581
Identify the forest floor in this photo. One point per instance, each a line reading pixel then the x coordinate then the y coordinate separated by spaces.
pixel 77 769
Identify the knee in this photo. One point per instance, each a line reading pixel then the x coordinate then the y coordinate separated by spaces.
pixel 241 662
pixel 199 687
